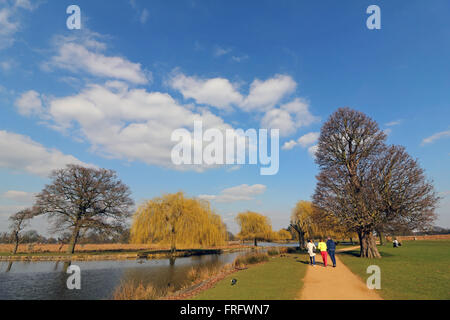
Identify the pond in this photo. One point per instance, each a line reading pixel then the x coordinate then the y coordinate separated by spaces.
pixel 99 279
pixel 47 280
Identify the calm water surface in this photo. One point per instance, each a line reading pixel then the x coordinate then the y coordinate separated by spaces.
pixel 47 280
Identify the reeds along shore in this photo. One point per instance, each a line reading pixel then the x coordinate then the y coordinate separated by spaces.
pixel 195 278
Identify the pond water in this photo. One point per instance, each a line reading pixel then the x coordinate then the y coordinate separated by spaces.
pixel 47 280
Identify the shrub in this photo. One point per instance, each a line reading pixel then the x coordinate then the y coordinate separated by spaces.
pixel 132 291
pixel 251 258
pixel 273 252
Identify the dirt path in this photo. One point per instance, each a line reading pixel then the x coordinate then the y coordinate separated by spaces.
pixel 330 283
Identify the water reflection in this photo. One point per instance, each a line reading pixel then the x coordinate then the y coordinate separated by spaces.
pixel 47 280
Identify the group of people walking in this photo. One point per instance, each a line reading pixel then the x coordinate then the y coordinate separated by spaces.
pixel 325 248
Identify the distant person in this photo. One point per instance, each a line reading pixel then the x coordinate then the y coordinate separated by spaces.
pixel 323 251
pixel 395 243
pixel 331 248
pixel 311 251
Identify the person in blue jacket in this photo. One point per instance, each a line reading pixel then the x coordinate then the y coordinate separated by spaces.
pixel 331 248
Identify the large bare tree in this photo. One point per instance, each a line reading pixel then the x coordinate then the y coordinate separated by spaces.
pixel 18 222
pixel 81 199
pixel 366 185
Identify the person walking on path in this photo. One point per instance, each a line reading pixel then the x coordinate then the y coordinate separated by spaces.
pixel 323 251
pixel 331 248
pixel 311 251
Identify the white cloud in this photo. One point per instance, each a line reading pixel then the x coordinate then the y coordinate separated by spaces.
pixel 393 123
pixel 216 92
pixel 305 141
pixel 19 196
pixel 10 22
pixel 29 103
pixel 84 55
pixel 313 150
pixel 436 136
pixel 242 192
pixel 308 139
pixel 239 58
pixel 264 95
pixel 130 124
pixel 289 145
pixel 20 153
pixel 144 16
pixel 219 51
pixel 289 117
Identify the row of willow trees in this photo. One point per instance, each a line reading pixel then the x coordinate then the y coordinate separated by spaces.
pixel 179 221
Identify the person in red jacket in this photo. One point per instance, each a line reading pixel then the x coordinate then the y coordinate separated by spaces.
pixel 323 251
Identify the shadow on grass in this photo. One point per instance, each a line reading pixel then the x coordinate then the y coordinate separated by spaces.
pixel 356 253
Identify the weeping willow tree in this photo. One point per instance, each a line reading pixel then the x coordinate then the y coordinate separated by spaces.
pixel 179 221
pixel 283 235
pixel 254 226
pixel 302 221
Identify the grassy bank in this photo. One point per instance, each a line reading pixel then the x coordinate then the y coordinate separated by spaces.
pixel 279 279
pixel 416 270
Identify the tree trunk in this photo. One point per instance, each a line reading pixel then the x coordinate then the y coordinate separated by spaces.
pixel 256 242
pixel 381 235
pixel 173 247
pixel 16 243
pixel 74 239
pixel 301 240
pixel 368 245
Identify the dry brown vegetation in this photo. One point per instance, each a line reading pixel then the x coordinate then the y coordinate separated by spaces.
pixel 197 279
pixel 86 248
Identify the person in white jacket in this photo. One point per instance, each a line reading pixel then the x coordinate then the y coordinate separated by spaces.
pixel 311 249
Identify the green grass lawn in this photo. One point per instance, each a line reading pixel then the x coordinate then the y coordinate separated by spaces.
pixel 278 279
pixel 416 270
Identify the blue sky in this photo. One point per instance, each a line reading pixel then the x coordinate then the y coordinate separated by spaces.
pixel 110 94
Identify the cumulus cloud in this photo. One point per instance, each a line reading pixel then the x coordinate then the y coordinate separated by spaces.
pixel 289 145
pixel 217 92
pixel 85 55
pixel 124 123
pixel 19 196
pixel 289 117
pixel 10 22
pixel 308 139
pixel 313 150
pixel 264 95
pixel 242 192
pixel 29 103
pixel 21 154
pixel 436 136
pixel 305 141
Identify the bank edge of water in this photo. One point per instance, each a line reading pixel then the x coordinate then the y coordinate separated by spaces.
pixel 160 254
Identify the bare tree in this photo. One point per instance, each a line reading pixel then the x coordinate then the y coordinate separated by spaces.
pixel 81 199
pixel 18 222
pixel 366 185
pixel 406 200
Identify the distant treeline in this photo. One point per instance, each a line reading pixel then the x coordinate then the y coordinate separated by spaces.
pixel 32 236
